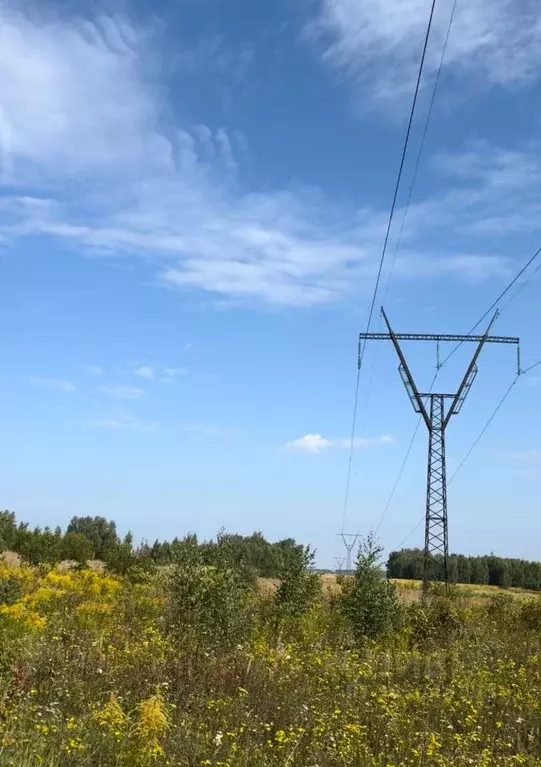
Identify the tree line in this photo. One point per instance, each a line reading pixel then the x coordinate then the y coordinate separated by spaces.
pixel 87 538
pixel 486 570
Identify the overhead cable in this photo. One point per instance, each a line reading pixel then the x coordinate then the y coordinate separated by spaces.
pixel 421 145
pixel 383 253
pixel 497 300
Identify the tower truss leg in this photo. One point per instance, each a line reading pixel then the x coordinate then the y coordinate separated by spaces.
pixel 436 541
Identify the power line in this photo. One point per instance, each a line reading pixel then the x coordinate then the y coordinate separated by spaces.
pixel 422 144
pixel 521 287
pixel 399 476
pixel 497 301
pixel 399 240
pixel 492 306
pixel 399 177
pixel 384 251
pixel 403 466
pixel 413 530
pixel 535 365
pixel 485 427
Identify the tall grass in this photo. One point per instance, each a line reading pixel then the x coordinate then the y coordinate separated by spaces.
pixel 96 670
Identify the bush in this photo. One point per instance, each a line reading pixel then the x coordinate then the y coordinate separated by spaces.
pixel 439 621
pixel 207 603
pixel 10 590
pixel 369 601
pixel 530 615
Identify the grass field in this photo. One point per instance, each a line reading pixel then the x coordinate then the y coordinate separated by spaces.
pixel 409 591
pixel 99 670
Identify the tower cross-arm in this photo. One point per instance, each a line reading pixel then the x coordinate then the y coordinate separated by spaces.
pixel 469 372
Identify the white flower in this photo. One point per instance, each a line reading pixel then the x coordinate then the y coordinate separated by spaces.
pixel 218 738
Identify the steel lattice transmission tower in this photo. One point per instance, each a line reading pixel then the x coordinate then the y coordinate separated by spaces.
pixel 349 540
pixel 436 417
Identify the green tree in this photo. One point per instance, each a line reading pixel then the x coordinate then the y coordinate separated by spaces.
pixel 464 569
pixel 479 570
pixel 98 530
pixel 120 557
pixel 370 602
pixel 77 547
pixel 8 530
pixel 407 563
pixel 498 572
pixel 298 588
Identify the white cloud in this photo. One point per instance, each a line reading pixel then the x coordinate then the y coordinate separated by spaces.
pixel 145 371
pixel 377 43
pixel 526 456
pixel 64 86
pixel 53 383
pixel 199 428
pixel 315 443
pixel 92 370
pixel 311 443
pixel 78 107
pixel 171 374
pixel 122 392
pixel 125 423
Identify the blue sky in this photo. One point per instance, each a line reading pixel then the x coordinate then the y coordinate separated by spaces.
pixel 193 202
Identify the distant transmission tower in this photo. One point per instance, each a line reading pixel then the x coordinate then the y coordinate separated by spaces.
pixel 436 418
pixel 339 563
pixel 349 540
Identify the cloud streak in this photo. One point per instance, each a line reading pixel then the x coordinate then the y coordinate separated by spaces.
pixel 92 370
pixel 52 383
pixel 315 443
pixel 125 423
pixel 122 392
pixel 145 371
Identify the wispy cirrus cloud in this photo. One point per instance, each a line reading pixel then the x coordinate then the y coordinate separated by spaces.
pixel 92 370
pixel 52 383
pixel 145 371
pixel 122 392
pixel 206 430
pixel 80 107
pixel 173 374
pixel 526 456
pixel 315 443
pixel 377 43
pixel 125 423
